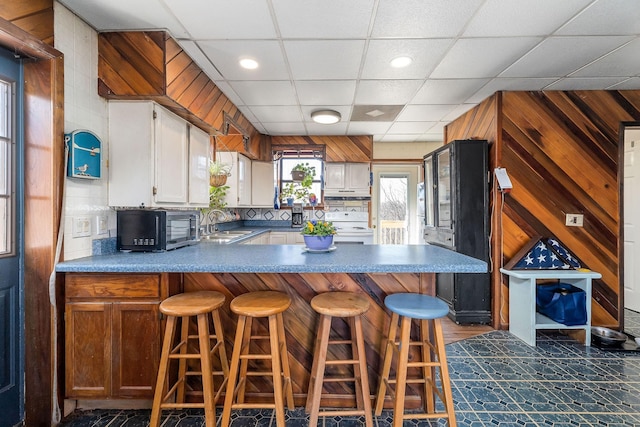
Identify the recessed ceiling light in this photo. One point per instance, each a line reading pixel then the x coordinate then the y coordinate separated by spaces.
pixel 326 117
pixel 401 61
pixel 248 63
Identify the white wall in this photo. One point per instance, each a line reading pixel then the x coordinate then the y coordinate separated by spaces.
pixel 403 150
pixel 83 109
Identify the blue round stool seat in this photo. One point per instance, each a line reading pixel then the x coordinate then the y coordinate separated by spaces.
pixel 416 306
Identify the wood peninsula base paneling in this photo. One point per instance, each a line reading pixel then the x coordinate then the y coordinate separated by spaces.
pixel 301 322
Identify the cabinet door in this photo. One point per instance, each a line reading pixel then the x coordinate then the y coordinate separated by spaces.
pixel 262 184
pixel 136 348
pixel 171 158
pixel 334 177
pixel 88 350
pixel 198 167
pixel 278 238
pixel 358 178
pixel 244 181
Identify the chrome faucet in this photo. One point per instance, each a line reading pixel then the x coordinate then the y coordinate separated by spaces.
pixel 213 219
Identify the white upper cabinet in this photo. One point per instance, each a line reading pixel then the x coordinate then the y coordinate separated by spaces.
pixel 262 184
pixel 149 157
pixel 199 143
pixel 239 192
pixel 347 179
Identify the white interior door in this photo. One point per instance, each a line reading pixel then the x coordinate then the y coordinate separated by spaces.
pixel 631 218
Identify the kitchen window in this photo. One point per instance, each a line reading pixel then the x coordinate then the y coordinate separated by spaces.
pixel 287 159
pixel 6 171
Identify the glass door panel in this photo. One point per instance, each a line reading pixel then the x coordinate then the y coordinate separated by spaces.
pixel 444 189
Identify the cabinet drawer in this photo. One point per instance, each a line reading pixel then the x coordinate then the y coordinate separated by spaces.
pixel 112 285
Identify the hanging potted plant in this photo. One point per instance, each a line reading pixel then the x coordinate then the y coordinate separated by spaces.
pixel 302 172
pixel 218 173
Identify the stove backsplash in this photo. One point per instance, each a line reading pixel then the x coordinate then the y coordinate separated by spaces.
pixel 267 214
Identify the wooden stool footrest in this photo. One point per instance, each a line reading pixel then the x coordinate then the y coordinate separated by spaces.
pixel 253 406
pixel 339 413
pixel 255 357
pixel 342 362
pixel 335 380
pixel 338 342
pixel 424 416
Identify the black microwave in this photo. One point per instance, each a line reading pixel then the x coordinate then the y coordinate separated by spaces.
pixel 146 230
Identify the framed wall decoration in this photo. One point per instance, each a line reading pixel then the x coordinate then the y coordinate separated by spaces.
pixel 85 154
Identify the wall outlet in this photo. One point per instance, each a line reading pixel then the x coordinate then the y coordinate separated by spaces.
pixel 574 220
pixel 81 226
pixel 101 224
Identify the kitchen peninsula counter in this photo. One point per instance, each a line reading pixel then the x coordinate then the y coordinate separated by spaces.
pixel 121 293
pixel 211 258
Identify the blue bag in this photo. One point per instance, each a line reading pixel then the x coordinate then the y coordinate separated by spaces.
pixel 562 303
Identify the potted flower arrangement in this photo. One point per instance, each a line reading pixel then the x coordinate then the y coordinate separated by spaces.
pixel 218 173
pixel 318 235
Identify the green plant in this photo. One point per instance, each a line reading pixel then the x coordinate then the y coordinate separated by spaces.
pixel 318 228
pixel 217 167
pixel 308 171
pixel 216 197
pixel 287 191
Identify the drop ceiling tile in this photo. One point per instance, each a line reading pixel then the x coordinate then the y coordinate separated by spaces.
pixel 334 129
pixel 386 92
pixel 248 113
pixel 522 17
pixel 624 62
pixel 605 17
pixel 292 128
pixel 550 59
pixel 482 57
pixel 368 128
pixel 413 113
pixel 333 19
pixel 324 60
pixel 126 15
pixel 400 138
pixel 264 93
pixel 585 83
pixel 447 91
pixel 498 84
pixel 426 54
pixel 225 55
pixel 419 18
pixel 277 113
pixel 224 20
pixel 458 111
pixel 324 92
pixel 410 127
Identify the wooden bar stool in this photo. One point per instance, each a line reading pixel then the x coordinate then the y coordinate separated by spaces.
pixel 183 307
pixel 252 305
pixel 429 310
pixel 351 306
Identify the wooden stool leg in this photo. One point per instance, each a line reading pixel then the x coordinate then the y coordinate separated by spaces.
pixel 401 372
pixel 244 363
pixel 233 373
pixel 205 368
pixel 317 372
pixel 361 368
pixel 222 352
pixel 356 369
pixel 182 363
pixel 428 372
pixel 162 371
pixel 275 369
pixel 284 358
pixel 387 356
pixel 444 372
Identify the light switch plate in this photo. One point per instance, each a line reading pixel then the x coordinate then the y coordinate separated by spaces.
pixel 574 220
pixel 81 226
pixel 101 224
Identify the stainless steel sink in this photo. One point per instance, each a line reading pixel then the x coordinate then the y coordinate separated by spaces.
pixel 232 233
pixel 216 239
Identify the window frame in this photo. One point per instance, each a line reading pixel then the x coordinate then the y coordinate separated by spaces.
pixel 302 153
pixel 7 191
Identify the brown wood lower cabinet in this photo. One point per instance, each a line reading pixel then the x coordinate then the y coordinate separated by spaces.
pixel 113 333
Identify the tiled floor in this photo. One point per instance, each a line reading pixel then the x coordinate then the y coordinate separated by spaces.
pixel 497 380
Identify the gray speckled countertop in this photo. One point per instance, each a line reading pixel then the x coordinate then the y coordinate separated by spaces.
pixel 207 257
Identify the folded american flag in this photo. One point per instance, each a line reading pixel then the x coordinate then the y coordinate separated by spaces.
pixel 547 254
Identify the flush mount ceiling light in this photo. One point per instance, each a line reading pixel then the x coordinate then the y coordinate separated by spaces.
pixel 326 117
pixel 248 63
pixel 401 61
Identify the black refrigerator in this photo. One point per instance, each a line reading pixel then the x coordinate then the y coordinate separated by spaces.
pixel 457 218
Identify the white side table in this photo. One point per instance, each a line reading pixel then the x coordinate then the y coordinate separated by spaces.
pixel 524 321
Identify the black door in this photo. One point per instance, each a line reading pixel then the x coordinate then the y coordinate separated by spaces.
pixel 11 241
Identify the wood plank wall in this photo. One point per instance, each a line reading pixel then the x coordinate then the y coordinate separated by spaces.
pixel 338 148
pixel 561 149
pixel 301 321
pixel 151 65
pixel 33 16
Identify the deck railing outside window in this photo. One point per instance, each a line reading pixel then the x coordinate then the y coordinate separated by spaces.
pixel 393 232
